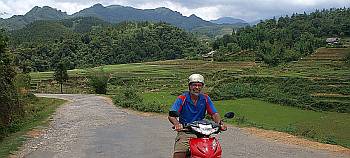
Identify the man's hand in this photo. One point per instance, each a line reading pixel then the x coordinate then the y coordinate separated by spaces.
pixel 217 119
pixel 223 127
pixel 178 127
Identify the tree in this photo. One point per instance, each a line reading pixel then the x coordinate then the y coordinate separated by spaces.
pixel 61 74
pixel 9 103
pixel 233 47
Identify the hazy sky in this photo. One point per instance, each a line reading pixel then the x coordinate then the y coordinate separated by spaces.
pixel 248 10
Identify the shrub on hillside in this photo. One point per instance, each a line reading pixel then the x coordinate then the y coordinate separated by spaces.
pixel 347 57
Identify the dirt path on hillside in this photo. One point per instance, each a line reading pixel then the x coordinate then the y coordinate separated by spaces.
pixel 91 126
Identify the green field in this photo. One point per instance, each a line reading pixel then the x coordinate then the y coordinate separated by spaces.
pixel 327 127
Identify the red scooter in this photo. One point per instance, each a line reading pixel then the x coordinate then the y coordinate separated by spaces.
pixel 204 146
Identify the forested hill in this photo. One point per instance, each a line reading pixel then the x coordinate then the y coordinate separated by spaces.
pixel 275 41
pixel 52 30
pixel 43 44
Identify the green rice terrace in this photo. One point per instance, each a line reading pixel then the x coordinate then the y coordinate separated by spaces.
pixel 309 97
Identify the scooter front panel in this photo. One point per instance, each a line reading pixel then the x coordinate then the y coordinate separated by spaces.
pixel 205 148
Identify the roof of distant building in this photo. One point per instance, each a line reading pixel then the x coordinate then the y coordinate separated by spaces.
pixel 334 39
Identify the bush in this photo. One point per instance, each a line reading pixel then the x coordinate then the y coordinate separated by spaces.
pixel 129 97
pixel 98 80
pixel 22 83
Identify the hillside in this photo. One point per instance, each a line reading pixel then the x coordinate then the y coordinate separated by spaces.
pixel 217 31
pixel 276 41
pixel 84 24
pixel 53 31
pixel 40 32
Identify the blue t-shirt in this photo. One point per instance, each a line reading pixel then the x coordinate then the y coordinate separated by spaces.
pixel 190 112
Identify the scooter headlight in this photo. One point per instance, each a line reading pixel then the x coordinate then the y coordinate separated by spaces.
pixel 205 129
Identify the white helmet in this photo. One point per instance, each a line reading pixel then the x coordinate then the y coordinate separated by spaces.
pixel 196 78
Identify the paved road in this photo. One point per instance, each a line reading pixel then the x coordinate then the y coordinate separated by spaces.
pixel 90 126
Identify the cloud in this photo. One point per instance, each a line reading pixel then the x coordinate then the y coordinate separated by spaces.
pixel 206 9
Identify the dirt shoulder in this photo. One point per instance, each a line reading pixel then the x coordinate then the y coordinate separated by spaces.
pixel 294 140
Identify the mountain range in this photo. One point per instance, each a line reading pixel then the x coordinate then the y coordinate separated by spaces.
pixel 117 14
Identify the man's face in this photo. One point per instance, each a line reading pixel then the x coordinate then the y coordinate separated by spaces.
pixel 196 87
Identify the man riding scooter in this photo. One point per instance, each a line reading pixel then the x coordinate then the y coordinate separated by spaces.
pixel 191 106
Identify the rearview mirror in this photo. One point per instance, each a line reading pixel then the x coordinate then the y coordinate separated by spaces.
pixel 174 114
pixel 229 115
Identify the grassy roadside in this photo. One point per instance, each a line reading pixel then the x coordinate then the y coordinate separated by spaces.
pixel 42 109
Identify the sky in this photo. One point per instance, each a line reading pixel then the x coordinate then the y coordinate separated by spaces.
pixel 248 10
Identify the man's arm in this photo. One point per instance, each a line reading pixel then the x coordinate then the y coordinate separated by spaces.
pixel 216 118
pixel 173 120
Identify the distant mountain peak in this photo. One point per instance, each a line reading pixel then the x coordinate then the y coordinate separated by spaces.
pixel 33 10
pixel 98 5
pixel 114 6
pixel 227 20
pixel 194 16
pixel 44 10
pixel 163 8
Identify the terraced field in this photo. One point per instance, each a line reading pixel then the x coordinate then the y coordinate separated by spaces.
pixel 329 73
